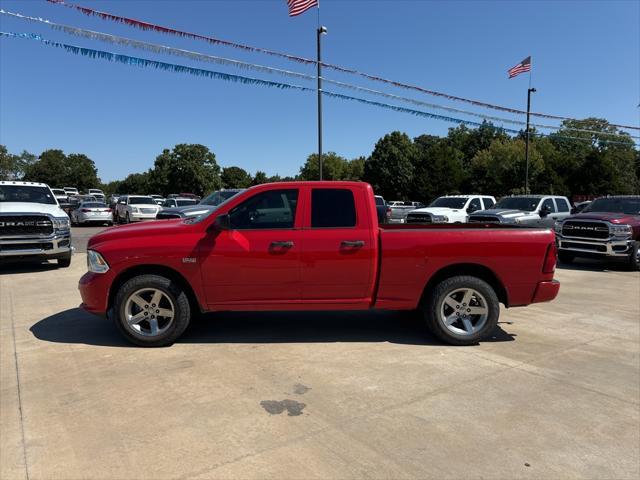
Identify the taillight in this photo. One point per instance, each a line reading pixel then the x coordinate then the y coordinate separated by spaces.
pixel 85 210
pixel 550 259
pixel 108 210
pixel 388 212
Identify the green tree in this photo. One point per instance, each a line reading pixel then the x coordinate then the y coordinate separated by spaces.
pixel 470 141
pixel 259 178
pixel 389 169
pixel 187 168
pixel 438 169
pixel 82 171
pixel 56 169
pixel 500 169
pixel 8 164
pixel 354 169
pixel 333 167
pixel 136 183
pixel 235 177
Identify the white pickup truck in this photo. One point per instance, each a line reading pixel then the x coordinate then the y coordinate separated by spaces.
pixel 32 224
pixel 451 209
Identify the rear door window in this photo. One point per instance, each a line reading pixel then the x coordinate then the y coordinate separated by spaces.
pixel 488 203
pixel 562 204
pixel 332 208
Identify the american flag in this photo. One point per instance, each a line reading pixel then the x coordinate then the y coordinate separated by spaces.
pixel 296 7
pixel 523 66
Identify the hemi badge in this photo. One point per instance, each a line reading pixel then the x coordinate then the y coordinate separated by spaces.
pixel 189 260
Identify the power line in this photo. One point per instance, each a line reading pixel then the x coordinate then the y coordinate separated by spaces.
pixel 147 63
pixel 213 40
pixel 197 56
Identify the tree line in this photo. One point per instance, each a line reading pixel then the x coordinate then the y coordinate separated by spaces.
pixel 584 157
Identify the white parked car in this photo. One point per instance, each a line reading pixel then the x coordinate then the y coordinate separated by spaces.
pixel 71 190
pixel 91 212
pixel 451 209
pixel 61 195
pixel 135 208
pixel 32 224
pixel 99 194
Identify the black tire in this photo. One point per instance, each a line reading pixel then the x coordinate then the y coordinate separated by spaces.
pixel 566 258
pixel 182 310
pixel 65 261
pixel 127 218
pixel 634 258
pixel 431 309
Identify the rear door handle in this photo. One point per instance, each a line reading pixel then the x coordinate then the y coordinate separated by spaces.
pixel 282 244
pixel 352 243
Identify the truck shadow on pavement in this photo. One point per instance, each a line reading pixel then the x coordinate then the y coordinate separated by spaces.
pixel 27 267
pixel 589 265
pixel 75 326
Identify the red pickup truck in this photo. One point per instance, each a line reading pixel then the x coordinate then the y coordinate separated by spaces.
pixel 313 246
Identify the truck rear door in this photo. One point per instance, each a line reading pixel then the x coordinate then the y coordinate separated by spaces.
pixel 339 253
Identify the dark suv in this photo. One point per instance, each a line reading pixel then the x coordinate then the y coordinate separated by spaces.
pixel 206 205
pixel 609 228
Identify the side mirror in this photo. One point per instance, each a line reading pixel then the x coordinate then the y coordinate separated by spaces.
pixel 221 223
pixel 544 211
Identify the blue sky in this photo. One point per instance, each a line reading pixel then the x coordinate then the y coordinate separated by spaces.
pixel 586 62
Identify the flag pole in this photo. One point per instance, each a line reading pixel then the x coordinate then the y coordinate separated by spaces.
pixel 526 145
pixel 320 31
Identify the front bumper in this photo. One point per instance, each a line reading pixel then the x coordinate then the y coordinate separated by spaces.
pixel 591 248
pixel 55 245
pixel 94 290
pixel 138 217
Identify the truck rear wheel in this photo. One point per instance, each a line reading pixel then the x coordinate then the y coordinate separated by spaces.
pixel 151 310
pixel 462 310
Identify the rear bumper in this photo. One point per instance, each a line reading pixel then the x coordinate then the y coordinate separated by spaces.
pixel 546 291
pixel 595 248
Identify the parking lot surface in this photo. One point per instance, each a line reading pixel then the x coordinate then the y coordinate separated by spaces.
pixel 554 394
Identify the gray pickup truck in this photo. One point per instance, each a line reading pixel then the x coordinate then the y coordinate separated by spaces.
pixel 526 210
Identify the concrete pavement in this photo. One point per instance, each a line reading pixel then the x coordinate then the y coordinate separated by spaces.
pixel 555 393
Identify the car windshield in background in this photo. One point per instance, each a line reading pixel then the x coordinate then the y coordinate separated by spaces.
pixel 526 204
pixel 629 206
pixel 141 201
pixel 379 201
pixel 93 205
pixel 29 194
pixel 217 198
pixel 449 202
pixel 57 191
pixel 185 203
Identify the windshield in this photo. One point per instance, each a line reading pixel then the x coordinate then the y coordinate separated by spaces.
pixel 57 191
pixel 527 204
pixel 217 198
pixel 184 203
pixel 24 193
pixel 630 206
pixel 141 201
pixel 449 202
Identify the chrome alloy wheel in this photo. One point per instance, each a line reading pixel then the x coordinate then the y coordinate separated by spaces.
pixel 464 311
pixel 149 312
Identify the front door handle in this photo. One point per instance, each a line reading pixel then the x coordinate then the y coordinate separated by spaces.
pixel 282 244
pixel 352 243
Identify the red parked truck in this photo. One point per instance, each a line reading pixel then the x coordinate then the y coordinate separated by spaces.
pixel 313 246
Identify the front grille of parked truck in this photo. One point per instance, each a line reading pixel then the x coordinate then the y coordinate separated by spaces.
pixel 581 229
pixel 25 225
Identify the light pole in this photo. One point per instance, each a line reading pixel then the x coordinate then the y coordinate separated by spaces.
pixel 321 31
pixel 526 145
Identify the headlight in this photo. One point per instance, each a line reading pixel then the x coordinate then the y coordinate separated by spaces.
pixel 96 263
pixel 557 227
pixel 61 223
pixel 134 209
pixel 620 230
pixel 439 218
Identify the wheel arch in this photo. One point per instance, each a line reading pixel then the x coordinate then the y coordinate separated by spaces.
pixel 471 269
pixel 152 269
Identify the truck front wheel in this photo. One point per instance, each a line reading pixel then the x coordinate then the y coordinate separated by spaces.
pixel 634 259
pixel 462 310
pixel 65 261
pixel 151 310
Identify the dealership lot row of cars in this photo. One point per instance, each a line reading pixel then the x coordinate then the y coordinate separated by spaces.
pixel 606 228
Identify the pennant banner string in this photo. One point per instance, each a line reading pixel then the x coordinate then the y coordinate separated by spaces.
pixel 147 63
pixel 171 31
pixel 93 35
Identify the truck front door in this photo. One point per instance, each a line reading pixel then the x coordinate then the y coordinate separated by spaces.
pixel 257 260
